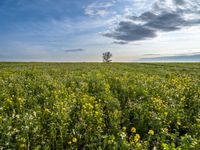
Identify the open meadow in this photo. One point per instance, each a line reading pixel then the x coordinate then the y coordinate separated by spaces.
pixel 100 106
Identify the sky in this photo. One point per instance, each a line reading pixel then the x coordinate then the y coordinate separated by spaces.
pixel 81 30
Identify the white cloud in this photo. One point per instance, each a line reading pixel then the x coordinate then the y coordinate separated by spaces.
pixel 99 8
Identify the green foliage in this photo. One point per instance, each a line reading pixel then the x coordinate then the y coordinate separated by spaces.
pixel 99 106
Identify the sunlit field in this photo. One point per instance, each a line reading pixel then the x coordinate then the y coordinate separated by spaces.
pixel 107 106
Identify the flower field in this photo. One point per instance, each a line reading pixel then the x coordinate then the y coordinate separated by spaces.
pixel 99 106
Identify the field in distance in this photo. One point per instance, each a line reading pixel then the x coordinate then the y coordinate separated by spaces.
pixel 100 106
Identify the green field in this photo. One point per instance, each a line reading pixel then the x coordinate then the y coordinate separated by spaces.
pixel 100 106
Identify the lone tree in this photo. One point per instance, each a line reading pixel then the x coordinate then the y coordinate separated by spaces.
pixel 107 57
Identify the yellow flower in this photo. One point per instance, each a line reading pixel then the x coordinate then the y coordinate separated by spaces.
pixel 136 137
pixel 9 101
pixel 69 142
pixel 124 128
pixel 74 139
pixel 22 146
pixel 139 145
pixel 133 130
pixel 178 123
pixel 151 132
pixel 47 110
pixel 132 143
pixel 96 113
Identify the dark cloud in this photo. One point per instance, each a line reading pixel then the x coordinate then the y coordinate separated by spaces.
pixel 179 2
pixel 129 31
pixel 161 18
pixel 167 21
pixel 147 16
pixel 74 50
pixel 120 42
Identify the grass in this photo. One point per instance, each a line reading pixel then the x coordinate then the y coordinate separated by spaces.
pixel 100 106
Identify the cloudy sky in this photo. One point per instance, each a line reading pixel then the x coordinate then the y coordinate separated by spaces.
pixel 81 30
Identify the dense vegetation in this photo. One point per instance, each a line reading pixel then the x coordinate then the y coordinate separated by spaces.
pixel 99 106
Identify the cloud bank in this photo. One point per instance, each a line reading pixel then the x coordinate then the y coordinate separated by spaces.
pixel 178 58
pixel 165 16
pixel 74 50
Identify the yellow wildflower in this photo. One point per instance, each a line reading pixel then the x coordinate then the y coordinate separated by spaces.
pixel 139 145
pixel 96 113
pixel 136 137
pixel 74 139
pixel 179 123
pixel 9 101
pixel 47 110
pixel 124 128
pixel 132 143
pixel 22 146
pixel 69 142
pixel 133 130
pixel 151 132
